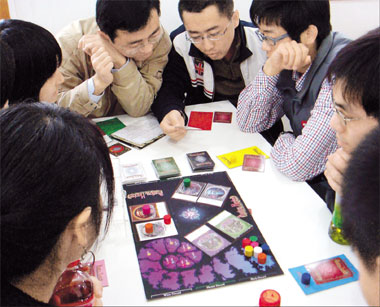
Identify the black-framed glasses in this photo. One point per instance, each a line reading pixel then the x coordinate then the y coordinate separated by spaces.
pixel 271 41
pixel 342 116
pixel 211 37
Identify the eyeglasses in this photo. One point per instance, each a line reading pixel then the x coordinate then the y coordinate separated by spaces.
pixel 151 40
pixel 211 37
pixel 271 41
pixel 342 116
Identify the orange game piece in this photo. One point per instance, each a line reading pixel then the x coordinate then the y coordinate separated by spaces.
pixel 270 298
pixel 262 258
pixel 149 228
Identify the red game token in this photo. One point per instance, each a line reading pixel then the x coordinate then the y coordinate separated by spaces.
pixel 146 210
pixel 245 242
pixel 270 298
pixel 167 219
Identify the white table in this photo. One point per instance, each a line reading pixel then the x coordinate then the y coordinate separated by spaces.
pixel 292 218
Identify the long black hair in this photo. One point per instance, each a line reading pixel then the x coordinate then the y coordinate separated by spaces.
pixel 37 56
pixel 53 164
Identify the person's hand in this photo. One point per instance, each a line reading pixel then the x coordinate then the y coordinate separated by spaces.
pixel 288 55
pixel 90 43
pixel 335 168
pixel 102 64
pixel 173 125
pixel 98 291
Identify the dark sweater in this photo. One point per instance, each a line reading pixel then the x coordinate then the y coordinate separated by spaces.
pixel 12 296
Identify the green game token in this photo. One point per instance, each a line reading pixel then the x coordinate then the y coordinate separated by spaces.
pixel 186 182
pixel 253 238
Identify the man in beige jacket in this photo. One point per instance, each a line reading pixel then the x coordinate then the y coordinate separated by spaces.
pixel 113 64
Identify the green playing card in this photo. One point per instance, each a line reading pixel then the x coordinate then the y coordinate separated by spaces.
pixel 233 226
pixel 166 168
pixel 110 126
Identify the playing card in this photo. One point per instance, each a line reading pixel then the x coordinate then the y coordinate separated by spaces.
pixel 157 211
pixel 190 193
pixel 118 149
pixel 202 120
pixel 160 230
pixel 208 240
pixel 223 117
pixel 214 194
pixel 230 224
pixel 235 158
pixel 110 126
pixel 254 163
pixel 166 168
pixel 99 271
pixel 326 274
pixel 132 173
pixel 200 161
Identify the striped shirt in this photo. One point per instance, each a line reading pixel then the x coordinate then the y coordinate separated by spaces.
pixel 300 158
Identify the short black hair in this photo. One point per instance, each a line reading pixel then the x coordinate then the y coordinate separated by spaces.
pixel 126 15
pixel 53 164
pixel 225 7
pixel 294 16
pixel 37 56
pixel 357 68
pixel 7 66
pixel 360 202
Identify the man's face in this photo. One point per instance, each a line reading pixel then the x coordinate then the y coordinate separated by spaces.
pixel 272 31
pixel 139 45
pixel 358 123
pixel 211 23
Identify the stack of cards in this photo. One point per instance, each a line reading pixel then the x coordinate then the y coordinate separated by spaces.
pixel 200 161
pixel 254 163
pixel 166 168
pixel 132 173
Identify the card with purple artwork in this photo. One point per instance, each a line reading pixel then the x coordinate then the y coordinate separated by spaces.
pixel 190 193
pixel 214 195
pixel 208 240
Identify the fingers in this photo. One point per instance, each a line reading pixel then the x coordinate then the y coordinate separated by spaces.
pixel 171 125
pixel 98 291
pixel 335 168
pixel 292 56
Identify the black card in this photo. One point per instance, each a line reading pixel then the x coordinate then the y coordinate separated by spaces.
pixel 200 161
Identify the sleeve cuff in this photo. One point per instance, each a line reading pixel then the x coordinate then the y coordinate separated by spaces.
pixel 91 89
pixel 113 70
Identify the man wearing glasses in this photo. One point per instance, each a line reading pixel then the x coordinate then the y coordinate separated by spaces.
pixel 297 37
pixel 113 64
pixel 356 91
pixel 214 56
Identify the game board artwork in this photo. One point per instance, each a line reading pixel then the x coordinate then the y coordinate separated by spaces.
pixel 202 246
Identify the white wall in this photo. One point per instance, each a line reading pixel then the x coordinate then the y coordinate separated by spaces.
pixel 352 17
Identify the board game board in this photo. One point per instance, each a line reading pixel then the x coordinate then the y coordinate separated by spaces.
pixel 202 246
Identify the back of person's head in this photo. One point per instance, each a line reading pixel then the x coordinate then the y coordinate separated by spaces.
pixel 37 56
pixel 360 208
pixel 53 165
pixel 125 15
pixel 225 7
pixel 357 68
pixel 7 66
pixel 294 16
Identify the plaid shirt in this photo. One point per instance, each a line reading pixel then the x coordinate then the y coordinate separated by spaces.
pixel 300 158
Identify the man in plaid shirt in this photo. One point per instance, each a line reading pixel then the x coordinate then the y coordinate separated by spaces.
pixel 297 37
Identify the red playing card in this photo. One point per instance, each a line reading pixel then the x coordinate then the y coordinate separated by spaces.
pixel 329 270
pixel 202 120
pixel 223 117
